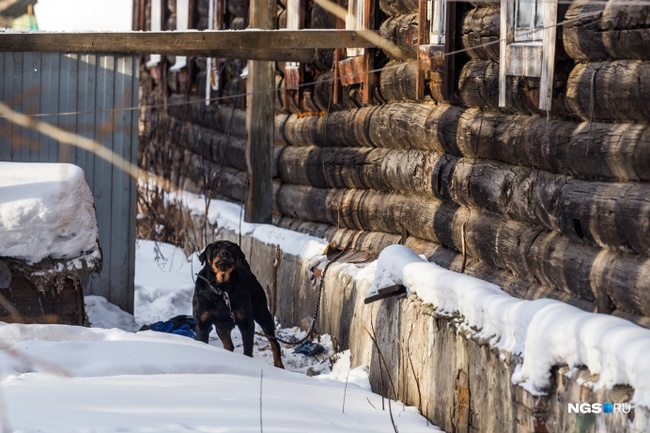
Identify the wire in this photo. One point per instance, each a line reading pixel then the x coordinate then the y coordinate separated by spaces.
pixel 312 83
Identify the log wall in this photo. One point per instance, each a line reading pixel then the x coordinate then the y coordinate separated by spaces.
pixel 542 204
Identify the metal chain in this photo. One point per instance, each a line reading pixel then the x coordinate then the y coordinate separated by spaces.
pixel 224 295
pixel 316 309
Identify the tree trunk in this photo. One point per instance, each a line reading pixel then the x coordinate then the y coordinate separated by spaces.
pixel 590 273
pixel 481 30
pixel 597 31
pixel 610 91
pixel 618 152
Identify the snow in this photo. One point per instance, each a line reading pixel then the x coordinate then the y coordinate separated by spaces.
pixel 544 332
pixel 109 378
pixel 46 210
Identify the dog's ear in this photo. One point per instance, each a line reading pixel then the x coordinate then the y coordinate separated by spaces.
pixel 203 255
pixel 241 258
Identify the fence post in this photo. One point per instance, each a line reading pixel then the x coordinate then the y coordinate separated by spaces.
pixel 260 102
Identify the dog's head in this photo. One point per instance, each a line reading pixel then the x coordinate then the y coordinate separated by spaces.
pixel 222 257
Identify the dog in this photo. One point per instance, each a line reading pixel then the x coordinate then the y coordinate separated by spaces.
pixel 226 294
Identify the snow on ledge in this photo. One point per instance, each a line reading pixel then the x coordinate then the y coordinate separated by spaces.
pixel 46 211
pixel 543 332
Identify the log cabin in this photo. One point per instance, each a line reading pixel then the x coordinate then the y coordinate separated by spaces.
pixel 507 140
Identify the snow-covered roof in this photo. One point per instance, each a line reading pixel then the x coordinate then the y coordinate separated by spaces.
pixel 47 211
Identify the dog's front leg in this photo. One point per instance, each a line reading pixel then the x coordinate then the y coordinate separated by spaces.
pixel 248 337
pixel 226 338
pixel 203 332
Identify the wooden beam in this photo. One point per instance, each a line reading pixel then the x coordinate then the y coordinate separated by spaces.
pixel 260 121
pixel 277 45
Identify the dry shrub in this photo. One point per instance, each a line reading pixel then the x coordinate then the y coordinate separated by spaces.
pixel 164 220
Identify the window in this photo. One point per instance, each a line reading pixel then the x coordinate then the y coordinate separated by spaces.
pixel 436 15
pixel 529 22
pixel 528 31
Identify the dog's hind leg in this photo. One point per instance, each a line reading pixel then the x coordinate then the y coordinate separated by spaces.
pixel 268 326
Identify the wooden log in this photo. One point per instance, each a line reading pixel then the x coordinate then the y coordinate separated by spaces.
pixel 480 33
pixel 396 125
pixel 397 81
pixel 398 7
pixel 617 152
pixel 402 31
pixel 523 287
pixel 219 117
pixel 610 91
pixel 478 86
pixel 601 276
pixel 598 31
pixel 613 215
pixel 406 171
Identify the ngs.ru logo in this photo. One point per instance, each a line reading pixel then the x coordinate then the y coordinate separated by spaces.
pixel 599 408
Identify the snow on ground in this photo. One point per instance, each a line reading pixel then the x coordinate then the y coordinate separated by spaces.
pixel 46 210
pixel 108 378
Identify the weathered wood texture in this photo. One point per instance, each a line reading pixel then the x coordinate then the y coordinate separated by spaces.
pixel 521 286
pixel 617 152
pixel 279 45
pixel 593 274
pixel 398 125
pixel 605 30
pixel 615 215
pixel 610 91
pixel 478 86
pixel 397 81
pixel 41 294
pixel 402 31
pixel 480 33
pixel 613 152
pixel 398 7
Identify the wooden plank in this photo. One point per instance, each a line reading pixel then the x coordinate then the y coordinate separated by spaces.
pixel 260 122
pixel 277 45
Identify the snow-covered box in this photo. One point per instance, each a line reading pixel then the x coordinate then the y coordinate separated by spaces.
pixel 48 242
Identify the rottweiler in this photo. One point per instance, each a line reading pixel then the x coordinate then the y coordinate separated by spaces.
pixel 226 294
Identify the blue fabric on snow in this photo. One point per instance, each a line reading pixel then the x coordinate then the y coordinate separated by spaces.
pixel 309 348
pixel 181 325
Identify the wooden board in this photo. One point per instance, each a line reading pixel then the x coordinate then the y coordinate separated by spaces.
pixel 278 45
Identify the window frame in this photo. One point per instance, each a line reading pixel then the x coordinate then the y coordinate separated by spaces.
pixel 522 57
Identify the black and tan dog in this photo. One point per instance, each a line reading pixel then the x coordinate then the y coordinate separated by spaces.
pixel 226 294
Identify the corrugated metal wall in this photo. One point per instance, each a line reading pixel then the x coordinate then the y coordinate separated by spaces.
pixel 97 97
